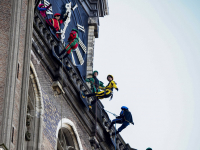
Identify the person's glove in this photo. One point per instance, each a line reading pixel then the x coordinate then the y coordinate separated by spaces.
pixel 117 89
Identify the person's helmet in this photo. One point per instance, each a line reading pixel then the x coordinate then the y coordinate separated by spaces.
pixel 149 148
pixel 110 76
pixel 94 72
pixel 57 14
pixel 124 108
pixel 40 5
pixel 73 34
pixel 75 30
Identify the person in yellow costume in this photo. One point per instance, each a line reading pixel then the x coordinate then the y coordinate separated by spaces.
pixel 106 91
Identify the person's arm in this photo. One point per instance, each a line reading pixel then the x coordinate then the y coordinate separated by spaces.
pixel 121 114
pixel 101 84
pixel 87 80
pixel 48 6
pixel 61 21
pixel 41 9
pixel 114 85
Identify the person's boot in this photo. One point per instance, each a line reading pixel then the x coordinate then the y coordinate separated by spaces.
pixel 90 106
pixel 83 95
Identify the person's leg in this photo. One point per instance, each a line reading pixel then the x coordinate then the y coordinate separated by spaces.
pixel 90 95
pixel 123 126
pixel 94 94
pixel 63 51
pixel 66 55
pixel 103 94
pixel 114 121
pixel 94 101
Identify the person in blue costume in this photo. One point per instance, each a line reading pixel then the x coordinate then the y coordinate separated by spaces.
pixel 125 118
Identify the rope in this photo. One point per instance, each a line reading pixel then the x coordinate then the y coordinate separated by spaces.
pixel 115 127
pixel 115 136
pixel 111 113
pixel 96 117
pixel 61 99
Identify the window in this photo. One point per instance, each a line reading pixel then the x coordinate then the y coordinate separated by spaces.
pixel 65 140
pixel 18 71
pixel 67 136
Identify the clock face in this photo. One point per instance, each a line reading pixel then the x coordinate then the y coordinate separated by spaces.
pixel 77 19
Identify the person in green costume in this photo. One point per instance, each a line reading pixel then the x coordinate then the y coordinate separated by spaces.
pixel 95 85
pixel 94 82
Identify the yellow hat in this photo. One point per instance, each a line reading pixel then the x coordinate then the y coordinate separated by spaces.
pixel 110 76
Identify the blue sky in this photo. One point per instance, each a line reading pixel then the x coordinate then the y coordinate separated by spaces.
pixel 151 47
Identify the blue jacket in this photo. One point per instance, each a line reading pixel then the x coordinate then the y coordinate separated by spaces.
pixel 126 115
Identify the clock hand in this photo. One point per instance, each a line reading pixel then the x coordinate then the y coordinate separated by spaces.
pixel 68 14
pixel 80 57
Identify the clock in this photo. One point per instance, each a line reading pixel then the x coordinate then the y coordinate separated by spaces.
pixel 77 18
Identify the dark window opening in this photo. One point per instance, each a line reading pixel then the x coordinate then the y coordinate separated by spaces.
pixel 12 139
pixel 18 71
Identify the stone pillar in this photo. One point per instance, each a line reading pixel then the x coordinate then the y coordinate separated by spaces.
pixel 90 52
pixel 10 32
pixel 15 46
pixel 92 34
pixel 25 75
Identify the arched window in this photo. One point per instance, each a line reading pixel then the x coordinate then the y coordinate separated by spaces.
pixel 67 136
pixel 33 135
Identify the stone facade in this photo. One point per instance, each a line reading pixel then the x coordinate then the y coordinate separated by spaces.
pixel 39 99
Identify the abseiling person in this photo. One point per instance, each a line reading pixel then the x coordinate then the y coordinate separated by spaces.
pixel 125 118
pixel 106 91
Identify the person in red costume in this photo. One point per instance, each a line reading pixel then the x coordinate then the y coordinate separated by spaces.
pixel 73 43
pixel 56 22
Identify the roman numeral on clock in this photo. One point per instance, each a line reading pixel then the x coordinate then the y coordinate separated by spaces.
pixel 50 10
pixel 80 57
pixel 74 7
pixel 80 27
pixel 73 60
pixel 82 45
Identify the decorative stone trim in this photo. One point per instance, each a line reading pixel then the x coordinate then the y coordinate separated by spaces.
pixel 57 87
pixel 90 51
pixel 39 103
pixel 94 143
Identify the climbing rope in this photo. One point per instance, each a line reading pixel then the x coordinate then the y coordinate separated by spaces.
pixel 115 136
pixel 115 127
pixel 61 103
pixel 111 113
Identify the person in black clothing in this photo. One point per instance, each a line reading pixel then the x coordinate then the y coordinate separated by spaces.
pixel 125 119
